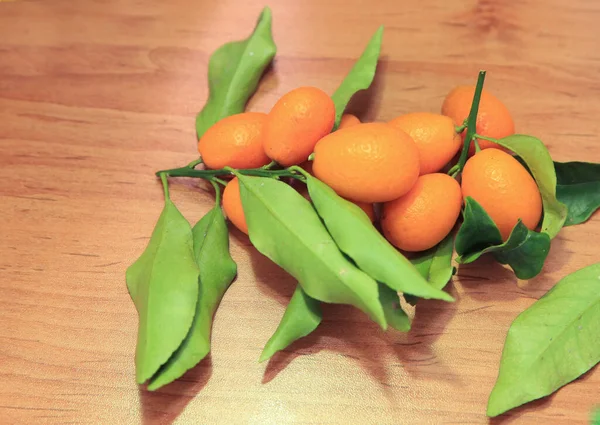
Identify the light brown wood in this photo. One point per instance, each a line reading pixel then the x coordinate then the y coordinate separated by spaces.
pixel 97 95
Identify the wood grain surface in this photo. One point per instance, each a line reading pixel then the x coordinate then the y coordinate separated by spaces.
pixel 95 95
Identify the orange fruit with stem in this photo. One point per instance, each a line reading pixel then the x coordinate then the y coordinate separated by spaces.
pixel 371 162
pixel 435 137
pixel 296 123
pixel 232 205
pixel 493 118
pixel 348 120
pixel 424 216
pixel 235 141
pixel 504 188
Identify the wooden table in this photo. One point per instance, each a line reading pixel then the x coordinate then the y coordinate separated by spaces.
pixel 97 95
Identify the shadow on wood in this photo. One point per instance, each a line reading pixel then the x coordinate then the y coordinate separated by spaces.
pixel 163 406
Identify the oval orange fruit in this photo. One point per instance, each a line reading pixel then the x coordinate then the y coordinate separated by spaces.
pixel 372 162
pixel 434 135
pixel 504 188
pixel 296 123
pixel 232 205
pixel 493 119
pixel 348 120
pixel 235 141
pixel 420 219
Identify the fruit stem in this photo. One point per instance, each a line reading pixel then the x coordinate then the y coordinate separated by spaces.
pixel 227 171
pixel 477 148
pixel 165 184
pixel 269 165
pixel 217 180
pixel 213 181
pixel 471 121
pixel 489 139
pixel 195 163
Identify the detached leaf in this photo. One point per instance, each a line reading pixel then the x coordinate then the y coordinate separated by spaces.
pixel 578 187
pixel 302 316
pixel 163 284
pixel 551 343
pixel 435 265
pixel 234 71
pixel 356 236
pixel 284 226
pixel 360 76
pixel 535 155
pixel 217 271
pixel 394 314
pixel 524 251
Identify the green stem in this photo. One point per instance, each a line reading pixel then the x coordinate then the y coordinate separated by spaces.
pixel 217 180
pixel 165 184
pixel 217 191
pixel 269 165
pixel 227 171
pixel 477 147
pixel 195 163
pixel 489 139
pixel 471 121
pixel 453 171
pixel 460 128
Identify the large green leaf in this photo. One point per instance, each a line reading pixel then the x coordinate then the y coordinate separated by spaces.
pixel 551 343
pixel 535 154
pixel 435 265
pixel 360 76
pixel 524 251
pixel 356 236
pixel 234 71
pixel 302 316
pixel 217 271
pixel 163 284
pixel 284 226
pixel 394 314
pixel 578 187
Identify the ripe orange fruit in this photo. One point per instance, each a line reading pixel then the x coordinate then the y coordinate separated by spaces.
pixel 435 137
pixel 236 141
pixel 232 205
pixel 372 162
pixel 348 120
pixel 424 216
pixel 493 119
pixel 504 188
pixel 296 123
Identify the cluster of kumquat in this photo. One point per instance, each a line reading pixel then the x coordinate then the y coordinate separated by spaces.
pixel 400 164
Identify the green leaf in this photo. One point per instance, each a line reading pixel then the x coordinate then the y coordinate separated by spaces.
pixel 578 187
pixel 234 71
pixel 551 343
pixel 302 316
pixel 217 271
pixel 284 226
pixel 360 76
pixel 163 284
pixel 394 314
pixel 524 251
pixel 356 236
pixel 535 154
pixel 435 265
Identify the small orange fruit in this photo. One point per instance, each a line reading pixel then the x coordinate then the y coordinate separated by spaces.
pixel 296 123
pixel 232 205
pixel 371 162
pixel 434 135
pixel 493 119
pixel 424 216
pixel 348 120
pixel 504 188
pixel 235 141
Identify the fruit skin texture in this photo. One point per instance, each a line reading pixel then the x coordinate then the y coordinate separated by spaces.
pixel 296 123
pixel 434 135
pixel 232 205
pixel 504 188
pixel 348 120
pixel 424 216
pixel 371 162
pixel 493 119
pixel 236 141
